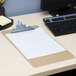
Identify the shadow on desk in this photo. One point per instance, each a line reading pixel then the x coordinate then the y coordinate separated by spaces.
pixel 67 73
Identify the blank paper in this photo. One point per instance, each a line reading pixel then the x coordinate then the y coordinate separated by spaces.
pixel 35 43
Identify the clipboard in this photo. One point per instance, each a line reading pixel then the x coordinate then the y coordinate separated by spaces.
pixel 44 60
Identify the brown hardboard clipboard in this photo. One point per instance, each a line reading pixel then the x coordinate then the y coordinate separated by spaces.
pixel 45 60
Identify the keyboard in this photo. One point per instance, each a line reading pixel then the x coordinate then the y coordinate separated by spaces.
pixel 61 25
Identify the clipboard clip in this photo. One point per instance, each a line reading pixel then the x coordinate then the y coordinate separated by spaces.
pixel 21 27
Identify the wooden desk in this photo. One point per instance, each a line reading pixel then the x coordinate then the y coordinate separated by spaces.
pixel 12 63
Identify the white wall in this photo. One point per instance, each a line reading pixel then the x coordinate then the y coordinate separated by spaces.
pixel 18 7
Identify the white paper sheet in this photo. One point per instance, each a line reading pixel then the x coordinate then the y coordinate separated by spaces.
pixel 35 43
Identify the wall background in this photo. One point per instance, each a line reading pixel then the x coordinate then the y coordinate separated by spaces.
pixel 19 7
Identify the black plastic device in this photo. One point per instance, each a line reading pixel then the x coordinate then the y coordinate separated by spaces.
pixel 61 25
pixel 61 7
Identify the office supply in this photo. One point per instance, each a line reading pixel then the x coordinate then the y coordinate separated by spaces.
pixel 5 22
pixel 38 47
pixel 59 7
pixel 28 40
pixel 21 27
pixel 61 25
